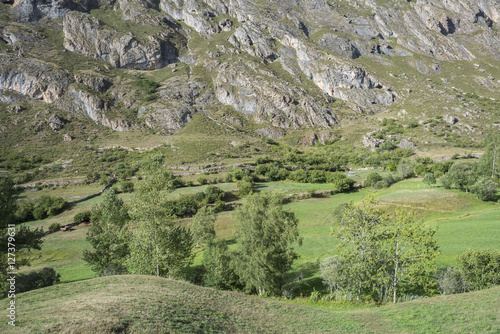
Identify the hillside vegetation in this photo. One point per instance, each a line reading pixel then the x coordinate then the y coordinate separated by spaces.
pixel 145 304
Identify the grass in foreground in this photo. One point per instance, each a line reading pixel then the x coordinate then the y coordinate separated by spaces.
pixel 146 304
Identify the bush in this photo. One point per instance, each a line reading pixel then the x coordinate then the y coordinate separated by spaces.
pixel 429 179
pixel 480 268
pixel 372 179
pixel 83 216
pixel 127 187
pixel 24 212
pixel 54 226
pixel 450 281
pixel 213 194
pixel 36 279
pixel 218 264
pixel 381 185
pixel 45 206
pixel 485 189
pixel 300 175
pixel 245 187
pixel 341 182
pixel 186 205
pixel 315 296
pixel 202 181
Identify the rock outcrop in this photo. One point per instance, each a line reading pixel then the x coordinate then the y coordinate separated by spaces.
pixel 35 79
pixel 89 36
pixel 283 65
pixel 269 100
pixel 178 100
pixel 195 14
pixel 33 10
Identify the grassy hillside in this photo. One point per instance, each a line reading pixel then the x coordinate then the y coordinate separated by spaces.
pixel 144 304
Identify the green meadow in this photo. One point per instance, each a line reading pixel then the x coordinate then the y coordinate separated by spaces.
pixel 461 221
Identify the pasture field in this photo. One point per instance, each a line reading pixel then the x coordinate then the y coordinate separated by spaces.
pixel 462 222
pixel 147 304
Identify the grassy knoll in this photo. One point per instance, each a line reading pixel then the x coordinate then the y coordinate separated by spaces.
pixel 145 304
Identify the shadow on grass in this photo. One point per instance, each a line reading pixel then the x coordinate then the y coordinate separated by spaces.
pixel 303 281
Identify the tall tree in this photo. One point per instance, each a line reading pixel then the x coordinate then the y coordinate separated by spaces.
pixel 357 231
pixel 265 233
pixel 408 252
pixel 384 256
pixel 158 246
pixel 108 234
pixel 489 164
pixel 13 239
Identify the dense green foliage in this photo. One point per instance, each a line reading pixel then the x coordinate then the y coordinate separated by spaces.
pixel 13 239
pixel 158 246
pixel 83 216
pixel 384 257
pixel 264 234
pixel 219 267
pixel 36 279
pixel 109 236
pixel 480 268
pixel 45 206
pixel 202 225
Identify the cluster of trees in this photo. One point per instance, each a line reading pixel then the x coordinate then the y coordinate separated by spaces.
pixel 277 172
pixel 145 238
pixel 45 206
pixel 379 256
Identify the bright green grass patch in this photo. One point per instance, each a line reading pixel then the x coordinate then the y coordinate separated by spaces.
pixel 63 251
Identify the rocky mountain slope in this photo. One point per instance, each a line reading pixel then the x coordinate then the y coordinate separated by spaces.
pixel 270 67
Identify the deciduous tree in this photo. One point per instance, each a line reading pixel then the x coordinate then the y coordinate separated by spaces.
pixel 202 225
pixel 265 233
pixel 108 234
pixel 158 246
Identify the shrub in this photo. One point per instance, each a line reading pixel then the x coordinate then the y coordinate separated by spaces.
pixel 480 268
pixel 341 182
pixel 311 192
pixel 429 179
pixel 485 189
pixel 381 185
pixel 24 212
pixel 315 296
pixel 202 181
pixel 405 167
pixel 36 279
pixel 245 187
pixel 45 206
pixel 186 205
pixel 372 179
pixel 127 187
pixel 83 216
pixel 300 175
pixel 450 281
pixel 213 194
pixel 218 265
pixel 54 226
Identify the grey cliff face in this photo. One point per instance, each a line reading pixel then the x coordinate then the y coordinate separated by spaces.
pixel 87 35
pixel 282 65
pixel 35 79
